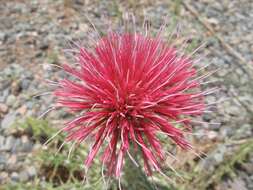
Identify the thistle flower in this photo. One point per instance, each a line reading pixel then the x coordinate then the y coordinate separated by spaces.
pixel 129 88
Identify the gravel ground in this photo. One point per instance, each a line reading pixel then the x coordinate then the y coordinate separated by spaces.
pixel 233 22
pixel 33 33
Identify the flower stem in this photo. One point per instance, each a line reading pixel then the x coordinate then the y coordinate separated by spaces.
pixel 134 177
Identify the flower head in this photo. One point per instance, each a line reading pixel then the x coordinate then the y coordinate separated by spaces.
pixel 128 89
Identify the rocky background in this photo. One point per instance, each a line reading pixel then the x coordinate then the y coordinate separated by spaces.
pixel 35 33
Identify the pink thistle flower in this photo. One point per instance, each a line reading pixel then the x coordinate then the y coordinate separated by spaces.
pixel 130 87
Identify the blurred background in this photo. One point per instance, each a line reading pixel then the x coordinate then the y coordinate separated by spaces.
pixel 34 33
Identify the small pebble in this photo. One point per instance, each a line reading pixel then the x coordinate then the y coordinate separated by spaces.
pixel 23 176
pixel 15 177
pixel 8 120
pixel 3 176
pixel 16 88
pixel 9 143
pixel 3 108
pixel 31 171
pixel 11 99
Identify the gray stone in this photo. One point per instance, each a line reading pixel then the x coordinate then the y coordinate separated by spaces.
pixel 14 177
pixel 17 145
pixel 243 132
pixel 11 99
pixel 3 176
pixel 44 44
pixel 3 108
pixel 12 164
pixel 219 154
pixel 8 120
pixel 14 70
pixel 218 157
pixel 2 98
pixel 238 184
pixel 16 87
pixel 233 110
pixel 31 171
pixel 214 158
pixel 212 135
pixel 25 84
pixel 248 167
pixel 16 104
pixel 207 117
pixel 4 95
pixel 27 145
pixel 211 99
pixel 9 143
pixel 226 132
pixel 1 141
pixel 3 37
pixel 208 164
pixel 3 158
pixel 23 176
pixel 2 166
pixel 215 125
